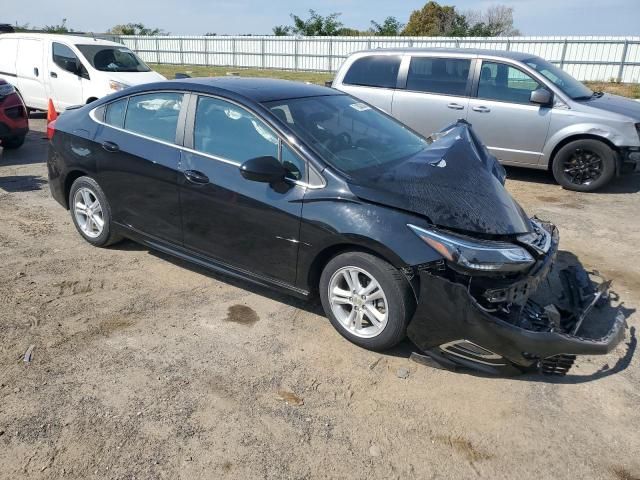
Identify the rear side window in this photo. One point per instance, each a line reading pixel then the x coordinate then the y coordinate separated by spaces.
pixel 154 115
pixel 115 113
pixel 499 81
pixel 446 76
pixel 223 129
pixel 374 71
pixel 64 57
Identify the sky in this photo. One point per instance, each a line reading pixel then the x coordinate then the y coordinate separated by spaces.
pixel 197 17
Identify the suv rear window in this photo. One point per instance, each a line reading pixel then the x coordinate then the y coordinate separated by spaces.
pixel 447 76
pixel 374 71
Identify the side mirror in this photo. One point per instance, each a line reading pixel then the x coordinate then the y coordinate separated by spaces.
pixel 263 169
pixel 328 83
pixel 542 97
pixel 179 75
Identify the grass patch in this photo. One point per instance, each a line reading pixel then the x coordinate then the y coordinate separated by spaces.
pixel 197 71
pixel 631 90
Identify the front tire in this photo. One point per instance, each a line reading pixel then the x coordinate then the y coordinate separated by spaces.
pixel 584 165
pixel 13 142
pixel 91 213
pixel 367 300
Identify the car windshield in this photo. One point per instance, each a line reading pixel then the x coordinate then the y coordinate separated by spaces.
pixel 561 79
pixel 112 59
pixel 348 134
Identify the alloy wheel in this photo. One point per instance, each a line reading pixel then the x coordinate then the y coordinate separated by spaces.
pixel 358 302
pixel 583 167
pixel 88 212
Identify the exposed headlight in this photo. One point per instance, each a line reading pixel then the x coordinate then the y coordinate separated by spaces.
pixel 6 89
pixel 117 86
pixel 473 254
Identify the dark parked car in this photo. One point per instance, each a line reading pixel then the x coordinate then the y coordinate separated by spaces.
pixel 309 190
pixel 14 121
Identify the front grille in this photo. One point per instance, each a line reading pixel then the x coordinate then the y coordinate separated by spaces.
pixel 15 112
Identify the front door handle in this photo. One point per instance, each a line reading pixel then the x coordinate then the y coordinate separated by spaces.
pixel 110 147
pixel 36 72
pixel 481 109
pixel 455 106
pixel 53 74
pixel 194 176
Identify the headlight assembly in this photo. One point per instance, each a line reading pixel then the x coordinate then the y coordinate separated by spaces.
pixel 117 86
pixel 476 255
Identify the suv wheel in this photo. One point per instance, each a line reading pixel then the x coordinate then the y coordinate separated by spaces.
pixel 91 213
pixel 13 142
pixel 584 165
pixel 366 299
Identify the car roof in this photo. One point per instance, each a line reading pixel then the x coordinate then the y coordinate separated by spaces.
pixel 256 89
pixel 73 39
pixel 471 52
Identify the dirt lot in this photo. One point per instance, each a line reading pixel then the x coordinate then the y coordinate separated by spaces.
pixel 145 367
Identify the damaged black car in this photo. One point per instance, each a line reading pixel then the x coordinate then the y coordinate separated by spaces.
pixel 314 192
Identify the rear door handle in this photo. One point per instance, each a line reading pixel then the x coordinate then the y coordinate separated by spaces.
pixel 481 109
pixel 455 106
pixel 53 74
pixel 110 147
pixel 194 176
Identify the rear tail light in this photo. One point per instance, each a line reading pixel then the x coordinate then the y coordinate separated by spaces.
pixel 51 129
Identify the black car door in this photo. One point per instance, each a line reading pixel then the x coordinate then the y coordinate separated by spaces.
pixel 138 162
pixel 250 225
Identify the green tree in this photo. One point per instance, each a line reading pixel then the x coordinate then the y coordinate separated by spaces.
pixel 391 27
pixel 281 30
pixel 435 20
pixel 60 28
pixel 495 21
pixel 135 29
pixel 21 27
pixel 316 25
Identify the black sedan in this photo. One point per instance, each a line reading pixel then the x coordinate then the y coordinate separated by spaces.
pixel 311 191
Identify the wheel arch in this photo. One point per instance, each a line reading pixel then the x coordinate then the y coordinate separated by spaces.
pixel 322 258
pixel 71 177
pixel 579 136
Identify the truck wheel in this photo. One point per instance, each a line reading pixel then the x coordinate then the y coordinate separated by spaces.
pixel 367 300
pixel 13 142
pixel 584 165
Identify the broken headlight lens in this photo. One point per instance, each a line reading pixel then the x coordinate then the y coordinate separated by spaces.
pixel 476 255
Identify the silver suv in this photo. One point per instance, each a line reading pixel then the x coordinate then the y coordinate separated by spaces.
pixel 527 111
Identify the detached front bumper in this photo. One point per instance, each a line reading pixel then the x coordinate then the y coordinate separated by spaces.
pixel 458 327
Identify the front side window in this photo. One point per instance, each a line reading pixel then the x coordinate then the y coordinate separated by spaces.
pixel 499 81
pixel 446 76
pixel 154 115
pixel 112 59
pixel 64 57
pixel 224 130
pixel 374 71
pixel 347 133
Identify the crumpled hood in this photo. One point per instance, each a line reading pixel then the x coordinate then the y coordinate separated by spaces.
pixel 616 104
pixel 454 182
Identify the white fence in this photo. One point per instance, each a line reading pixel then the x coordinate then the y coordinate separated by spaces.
pixel 586 58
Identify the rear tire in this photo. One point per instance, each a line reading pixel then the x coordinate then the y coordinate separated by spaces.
pixel 13 142
pixel 373 308
pixel 91 212
pixel 584 165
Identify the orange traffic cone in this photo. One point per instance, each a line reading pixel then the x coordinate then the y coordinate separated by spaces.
pixel 52 115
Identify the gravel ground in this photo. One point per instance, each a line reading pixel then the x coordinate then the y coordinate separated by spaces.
pixel 145 367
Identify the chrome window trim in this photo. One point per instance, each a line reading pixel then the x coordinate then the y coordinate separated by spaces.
pixel 92 115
